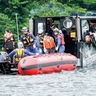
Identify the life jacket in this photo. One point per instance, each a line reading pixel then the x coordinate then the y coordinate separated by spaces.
pixel 9 45
pixel 19 54
pixel 41 41
pixel 88 38
pixel 8 36
pixel 8 40
pixel 62 38
pixel 49 42
pixel 27 40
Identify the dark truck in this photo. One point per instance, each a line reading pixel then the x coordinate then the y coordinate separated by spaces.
pixel 74 29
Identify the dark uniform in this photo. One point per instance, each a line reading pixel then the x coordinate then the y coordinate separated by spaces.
pixel 9 40
pixel 39 44
pixel 28 41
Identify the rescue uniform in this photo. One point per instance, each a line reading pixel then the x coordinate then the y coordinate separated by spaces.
pixel 59 39
pixel 20 53
pixel 49 44
pixel 26 52
pixel 28 41
pixel 8 43
pixel 39 44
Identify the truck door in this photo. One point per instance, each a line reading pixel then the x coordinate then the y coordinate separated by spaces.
pixel 39 23
pixel 68 26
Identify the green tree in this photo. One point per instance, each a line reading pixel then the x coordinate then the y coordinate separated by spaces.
pixel 54 8
pixel 5 23
pixel 24 8
pixel 11 7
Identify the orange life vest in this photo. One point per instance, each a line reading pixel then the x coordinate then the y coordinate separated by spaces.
pixel 49 42
pixel 9 40
pixel 8 36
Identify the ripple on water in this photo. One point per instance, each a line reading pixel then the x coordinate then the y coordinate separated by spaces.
pixel 80 82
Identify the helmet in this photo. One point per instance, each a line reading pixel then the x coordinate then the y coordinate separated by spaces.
pixel 40 31
pixel 60 31
pixel 56 30
pixel 24 28
pixel 46 34
pixel 20 45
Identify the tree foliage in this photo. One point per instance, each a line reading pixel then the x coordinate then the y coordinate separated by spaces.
pixel 5 23
pixel 25 8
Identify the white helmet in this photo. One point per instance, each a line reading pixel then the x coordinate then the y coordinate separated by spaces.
pixel 60 31
pixel 56 30
pixel 25 28
pixel 20 45
pixel 40 31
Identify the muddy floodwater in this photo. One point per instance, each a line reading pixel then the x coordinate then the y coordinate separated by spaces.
pixel 80 82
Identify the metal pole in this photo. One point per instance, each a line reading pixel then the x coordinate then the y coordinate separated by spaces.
pixel 79 41
pixel 31 25
pixel 17 25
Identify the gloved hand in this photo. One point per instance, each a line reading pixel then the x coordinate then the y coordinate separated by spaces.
pixel 45 50
pixel 37 53
pixel 56 48
pixel 40 51
pixel 34 46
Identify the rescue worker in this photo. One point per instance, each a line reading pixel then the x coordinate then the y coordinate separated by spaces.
pixel 9 41
pixel 93 38
pixel 28 40
pixel 39 41
pixel 49 44
pixel 20 52
pixel 59 41
pixel 87 36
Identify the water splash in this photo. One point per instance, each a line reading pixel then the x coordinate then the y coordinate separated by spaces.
pixel 89 55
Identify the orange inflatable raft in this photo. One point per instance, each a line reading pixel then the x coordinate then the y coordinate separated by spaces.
pixel 46 63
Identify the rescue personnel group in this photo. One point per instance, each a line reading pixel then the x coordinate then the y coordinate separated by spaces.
pixel 28 44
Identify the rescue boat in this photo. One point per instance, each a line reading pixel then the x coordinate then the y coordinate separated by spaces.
pixel 46 63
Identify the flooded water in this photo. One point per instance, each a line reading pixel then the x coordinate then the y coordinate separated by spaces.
pixel 80 82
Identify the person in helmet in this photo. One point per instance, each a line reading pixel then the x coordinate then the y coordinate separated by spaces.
pixel 28 40
pixel 39 41
pixel 59 41
pixel 20 52
pixel 49 44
